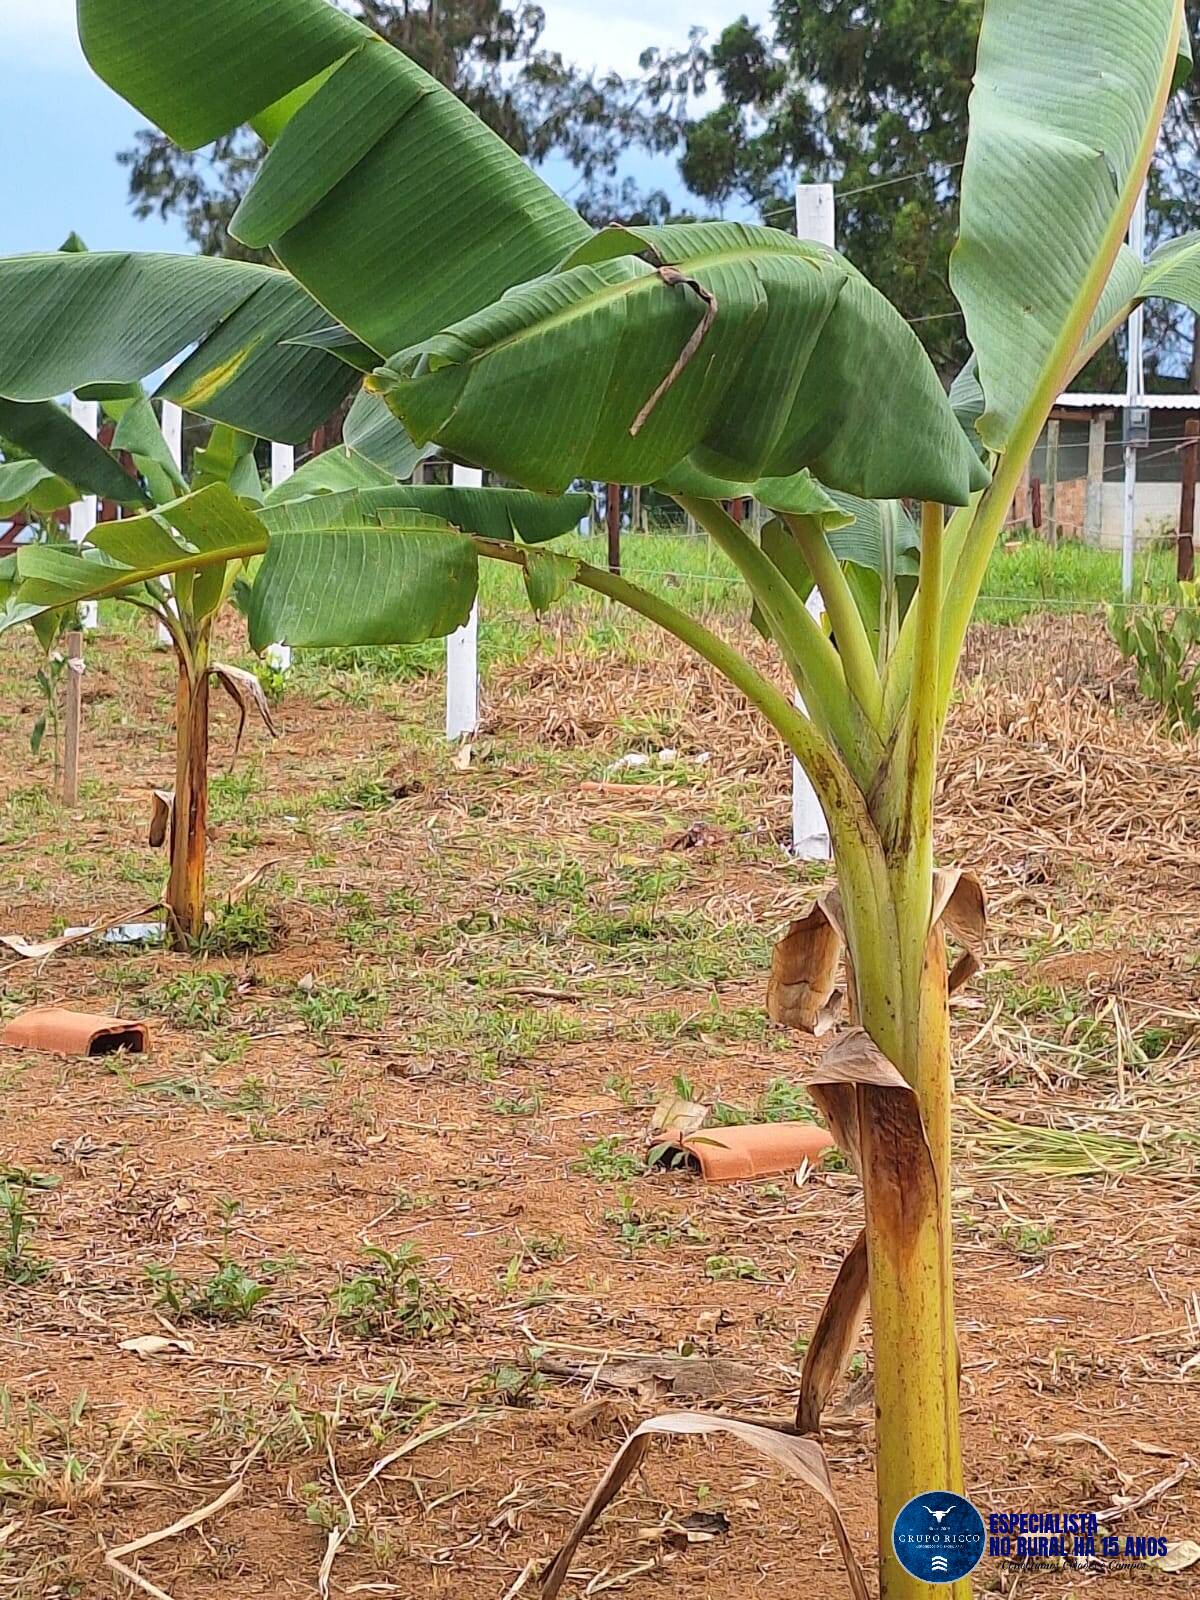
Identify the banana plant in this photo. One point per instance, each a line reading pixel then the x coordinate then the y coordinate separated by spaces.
pixel 177 557
pixel 324 583
pixel 713 360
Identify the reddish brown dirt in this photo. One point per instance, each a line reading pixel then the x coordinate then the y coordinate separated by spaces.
pixel 522 967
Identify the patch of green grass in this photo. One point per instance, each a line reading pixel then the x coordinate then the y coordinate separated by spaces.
pixel 1028 1240
pixel 517 1105
pixel 230 793
pixel 496 1037
pixel 250 926
pixel 1033 999
pixel 781 1101
pixel 327 1007
pixel 20 1263
pixel 546 1247
pixel 713 1022
pixel 731 1269
pixel 1073 576
pixel 512 1385
pixel 566 883
pixel 379 664
pixel 638 1226
pixel 193 999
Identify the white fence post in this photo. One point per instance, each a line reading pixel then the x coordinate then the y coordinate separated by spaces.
pixel 283 463
pixel 810 830
pixel 171 423
pixel 86 413
pixel 462 648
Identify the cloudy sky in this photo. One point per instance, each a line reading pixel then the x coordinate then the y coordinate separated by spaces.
pixel 63 127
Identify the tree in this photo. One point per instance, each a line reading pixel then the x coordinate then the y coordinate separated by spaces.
pixel 873 97
pixel 721 360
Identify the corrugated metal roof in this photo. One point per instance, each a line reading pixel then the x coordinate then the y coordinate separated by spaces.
pixel 1116 402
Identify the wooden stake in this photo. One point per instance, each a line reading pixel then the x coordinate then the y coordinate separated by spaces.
pixel 613 514
pixel 1093 515
pixel 1185 555
pixel 72 717
pixel 1052 482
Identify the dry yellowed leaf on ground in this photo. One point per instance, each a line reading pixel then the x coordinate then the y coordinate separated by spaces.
pixel 157 1344
pixel 1179 1557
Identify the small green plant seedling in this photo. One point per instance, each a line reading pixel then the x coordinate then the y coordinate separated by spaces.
pixel 393 1297
pixel 230 1294
pixel 19 1263
pixel 605 1161
pixel 731 1269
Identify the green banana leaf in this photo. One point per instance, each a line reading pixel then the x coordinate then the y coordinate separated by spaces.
pixel 390 565
pixel 228 457
pixel 372 431
pixel 504 514
pixel 1049 181
pixel 384 195
pixel 799 495
pixel 54 438
pixel 745 350
pixel 207 529
pixel 341 580
pixel 331 472
pixel 29 486
pixel 882 538
pixel 137 430
pixel 1171 273
pixel 112 318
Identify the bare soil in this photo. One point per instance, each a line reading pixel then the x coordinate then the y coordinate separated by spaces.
pixel 480 978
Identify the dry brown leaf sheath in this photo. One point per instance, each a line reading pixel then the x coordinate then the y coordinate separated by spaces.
pixel 836 1335
pixel 802 989
pixel 801 1458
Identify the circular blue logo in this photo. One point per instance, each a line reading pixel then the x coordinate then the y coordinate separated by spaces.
pixel 938 1537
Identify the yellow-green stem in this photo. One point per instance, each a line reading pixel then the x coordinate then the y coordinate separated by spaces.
pixel 811 658
pixel 853 644
pixel 906 1198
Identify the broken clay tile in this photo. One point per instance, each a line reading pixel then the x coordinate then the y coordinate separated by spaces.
pixel 74 1033
pixel 755 1150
